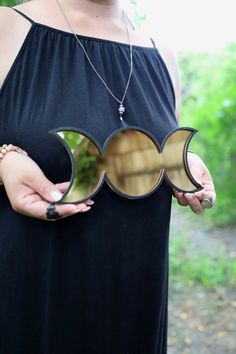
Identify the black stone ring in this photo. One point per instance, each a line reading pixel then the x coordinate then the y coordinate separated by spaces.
pixel 51 213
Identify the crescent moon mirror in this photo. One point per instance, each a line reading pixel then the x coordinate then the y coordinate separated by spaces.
pixel 131 162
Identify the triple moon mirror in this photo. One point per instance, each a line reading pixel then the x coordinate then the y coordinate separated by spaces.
pixel 131 161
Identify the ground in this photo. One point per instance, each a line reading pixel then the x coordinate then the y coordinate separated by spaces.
pixel 202 320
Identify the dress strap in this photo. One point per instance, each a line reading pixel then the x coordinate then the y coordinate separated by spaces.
pixel 22 14
pixel 153 43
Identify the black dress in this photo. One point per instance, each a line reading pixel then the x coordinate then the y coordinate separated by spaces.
pixel 94 283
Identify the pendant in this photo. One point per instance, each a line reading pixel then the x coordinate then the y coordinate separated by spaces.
pixel 121 111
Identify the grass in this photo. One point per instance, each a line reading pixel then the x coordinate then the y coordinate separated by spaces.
pixel 188 267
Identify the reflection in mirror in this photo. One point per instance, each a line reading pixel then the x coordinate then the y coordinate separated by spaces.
pixel 88 168
pixel 135 166
pixel 132 163
pixel 174 161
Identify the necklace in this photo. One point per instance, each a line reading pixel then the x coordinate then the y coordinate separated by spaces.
pixel 121 108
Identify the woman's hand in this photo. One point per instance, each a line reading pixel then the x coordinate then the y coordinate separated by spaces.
pixel 30 192
pixel 201 174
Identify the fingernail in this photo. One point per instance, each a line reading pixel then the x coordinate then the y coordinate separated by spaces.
pixel 86 209
pixel 56 196
pixel 82 208
pixel 90 202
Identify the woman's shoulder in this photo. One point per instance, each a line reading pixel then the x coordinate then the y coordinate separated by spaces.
pixel 9 19
pixel 8 25
pixel 168 55
pixel 6 16
pixel 170 58
pixel 11 25
pixel 4 10
pixel 13 30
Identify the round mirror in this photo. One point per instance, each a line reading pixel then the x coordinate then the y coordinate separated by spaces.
pixel 133 163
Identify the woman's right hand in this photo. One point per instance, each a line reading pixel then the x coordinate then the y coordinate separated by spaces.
pixel 30 192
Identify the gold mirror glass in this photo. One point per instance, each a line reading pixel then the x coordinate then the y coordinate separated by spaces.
pixel 131 162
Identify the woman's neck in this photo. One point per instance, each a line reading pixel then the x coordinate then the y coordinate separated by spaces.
pixel 94 8
pixel 92 18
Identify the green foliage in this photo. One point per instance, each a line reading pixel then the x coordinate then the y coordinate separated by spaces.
pixel 190 268
pixel 86 162
pixel 8 2
pixel 87 167
pixel 209 104
pixel 139 17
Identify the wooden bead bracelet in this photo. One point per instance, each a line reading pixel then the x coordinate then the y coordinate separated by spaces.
pixel 4 149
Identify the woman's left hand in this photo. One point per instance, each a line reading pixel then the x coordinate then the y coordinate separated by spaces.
pixel 202 175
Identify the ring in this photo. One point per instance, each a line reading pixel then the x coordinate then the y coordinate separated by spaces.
pixel 51 213
pixel 207 203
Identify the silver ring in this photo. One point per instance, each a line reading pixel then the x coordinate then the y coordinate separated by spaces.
pixel 207 203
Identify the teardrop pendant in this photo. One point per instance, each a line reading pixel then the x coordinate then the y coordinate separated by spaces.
pixel 121 111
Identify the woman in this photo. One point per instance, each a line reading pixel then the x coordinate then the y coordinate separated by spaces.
pixel 94 281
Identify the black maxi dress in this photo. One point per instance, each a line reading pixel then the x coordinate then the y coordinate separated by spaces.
pixel 97 282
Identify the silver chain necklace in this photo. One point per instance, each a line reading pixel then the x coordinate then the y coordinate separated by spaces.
pixel 121 108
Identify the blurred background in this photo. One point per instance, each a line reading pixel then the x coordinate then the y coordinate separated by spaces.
pixel 202 306
pixel 202 296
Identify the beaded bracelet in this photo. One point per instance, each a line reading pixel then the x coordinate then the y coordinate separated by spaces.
pixel 4 149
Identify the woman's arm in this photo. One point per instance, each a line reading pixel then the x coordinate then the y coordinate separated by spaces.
pixel 197 167
pixel 30 192
pixel 171 60
pixel 28 189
